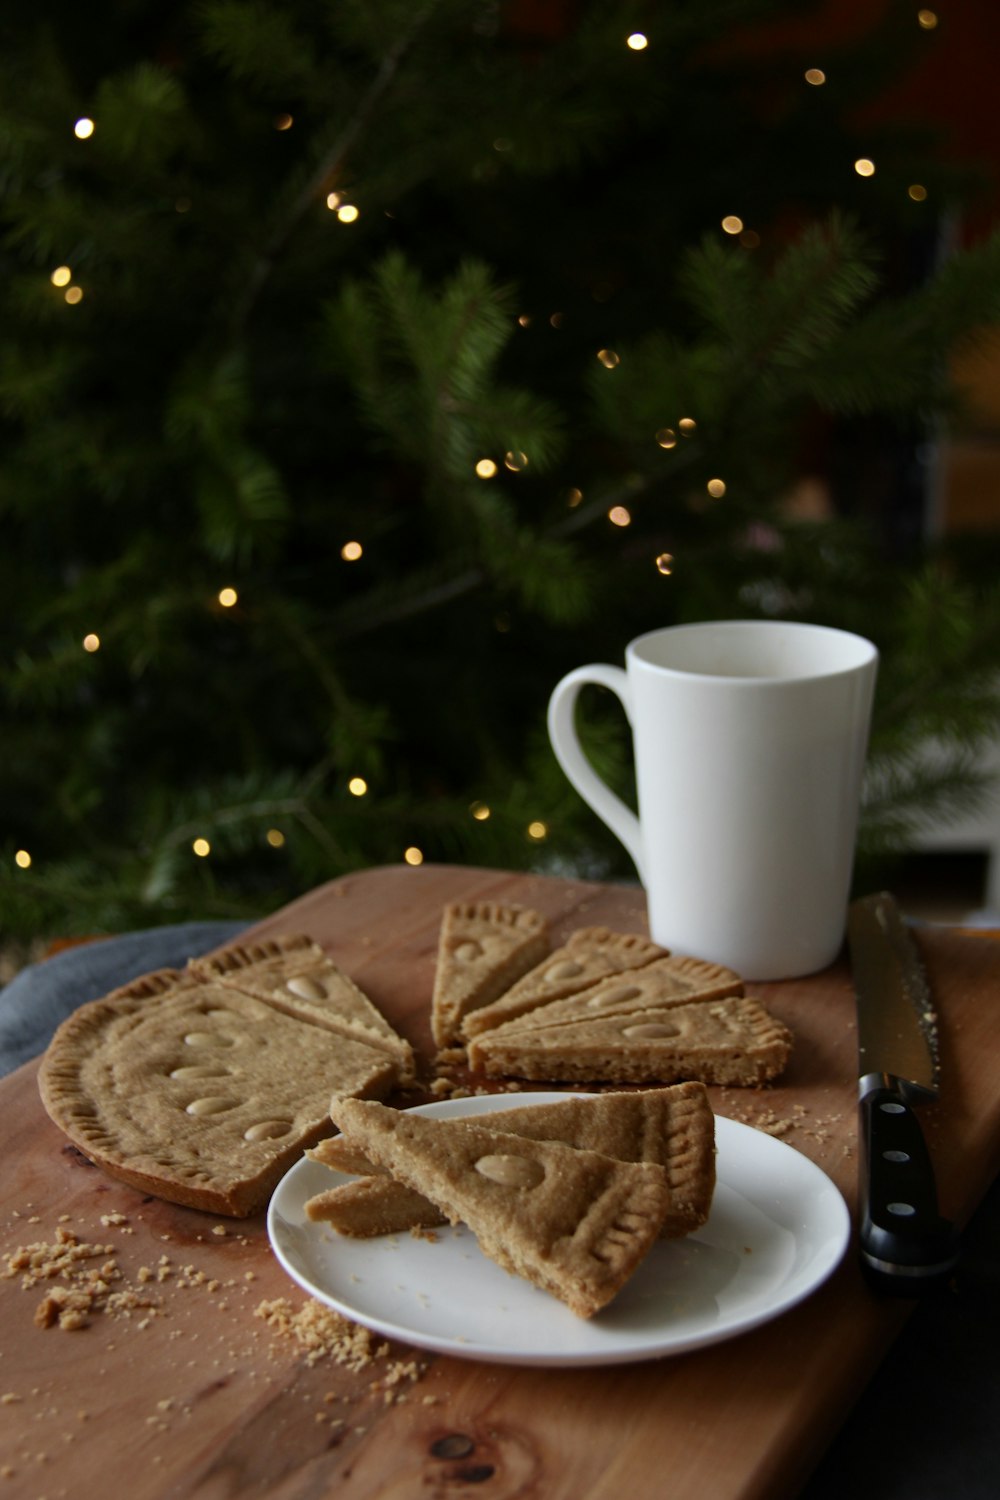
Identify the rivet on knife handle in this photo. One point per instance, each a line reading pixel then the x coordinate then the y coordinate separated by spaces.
pixel 905 1243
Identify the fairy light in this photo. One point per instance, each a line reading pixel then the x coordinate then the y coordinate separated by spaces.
pixel 665 564
pixel 413 855
pixel 515 460
pixel 283 121
pixel 91 642
pixel 917 192
pixel 61 276
pixel 486 468
pixel 556 319
pixel 228 597
pixel 74 294
pixel 357 786
pixel 524 320
pixel 84 128
pixel 333 201
pixel 22 859
pixel 927 20
pixel 667 437
pixel 202 848
pixel 732 224
pixel 619 516
pixel 347 213
pixel 538 830
pixel 480 811
pixel 716 488
pixel 637 42
pixel 351 551
pixel 686 426
pixel 574 497
pixel 815 76
pixel 864 166
pixel 275 838
pixel 608 358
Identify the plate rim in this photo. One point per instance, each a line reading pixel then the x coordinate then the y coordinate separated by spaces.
pixel 803 1285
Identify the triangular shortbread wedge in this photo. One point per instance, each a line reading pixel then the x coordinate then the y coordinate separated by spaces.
pixel 575 1223
pixel 484 946
pixel 197 1093
pixel 673 1127
pixel 733 1040
pixel 294 973
pixel 674 980
pixel 588 956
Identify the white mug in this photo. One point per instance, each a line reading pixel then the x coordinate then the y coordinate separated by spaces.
pixel 749 739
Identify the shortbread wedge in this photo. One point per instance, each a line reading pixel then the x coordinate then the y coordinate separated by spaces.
pixel 733 1040
pixel 197 1093
pixel 589 955
pixel 673 1127
pixel 484 946
pixel 295 974
pixel 574 1223
pixel 674 980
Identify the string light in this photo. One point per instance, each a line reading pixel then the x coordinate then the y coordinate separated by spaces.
pixel 333 201
pixel 637 42
pixel 665 564
pixel 619 516
pixel 524 320
pixel 480 811
pixel 608 358
pixel 864 166
pixel 413 855
pixel 556 319
pixel 347 213
pixel 573 498
pixel 917 192
pixel 84 128
pixel 283 122
pixel 357 786
pixel 515 461
pixel 667 437
pixel 22 859
pixel 750 239
pixel 275 838
pixel 732 224
pixel 486 468
pixel 74 294
pixel 91 642
pixel 926 20
pixel 815 76
pixel 228 597
pixel 538 830
pixel 61 276
pixel 716 488
pixel 202 848
pixel 351 551
pixel 686 426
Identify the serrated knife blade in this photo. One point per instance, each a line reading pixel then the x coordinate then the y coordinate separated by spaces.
pixel 905 1244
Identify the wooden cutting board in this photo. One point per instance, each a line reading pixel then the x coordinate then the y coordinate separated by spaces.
pixel 199 1396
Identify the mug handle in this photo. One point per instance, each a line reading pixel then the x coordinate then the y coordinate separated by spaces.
pixel 568 752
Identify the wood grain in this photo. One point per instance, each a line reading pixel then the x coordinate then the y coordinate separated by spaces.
pixel 201 1398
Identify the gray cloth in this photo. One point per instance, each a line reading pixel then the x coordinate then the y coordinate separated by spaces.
pixel 44 994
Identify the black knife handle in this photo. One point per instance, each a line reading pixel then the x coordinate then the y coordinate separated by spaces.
pixel 905 1244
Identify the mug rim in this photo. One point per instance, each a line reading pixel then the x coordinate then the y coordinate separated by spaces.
pixel 866 651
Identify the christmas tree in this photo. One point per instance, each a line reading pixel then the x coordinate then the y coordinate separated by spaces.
pixel 367 365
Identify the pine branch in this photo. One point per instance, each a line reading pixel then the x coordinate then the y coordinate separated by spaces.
pixel 327 171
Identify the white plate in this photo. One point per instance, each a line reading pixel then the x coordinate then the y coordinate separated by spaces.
pixel 778 1228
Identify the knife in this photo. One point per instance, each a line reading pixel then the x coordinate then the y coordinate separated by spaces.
pixel 906 1247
